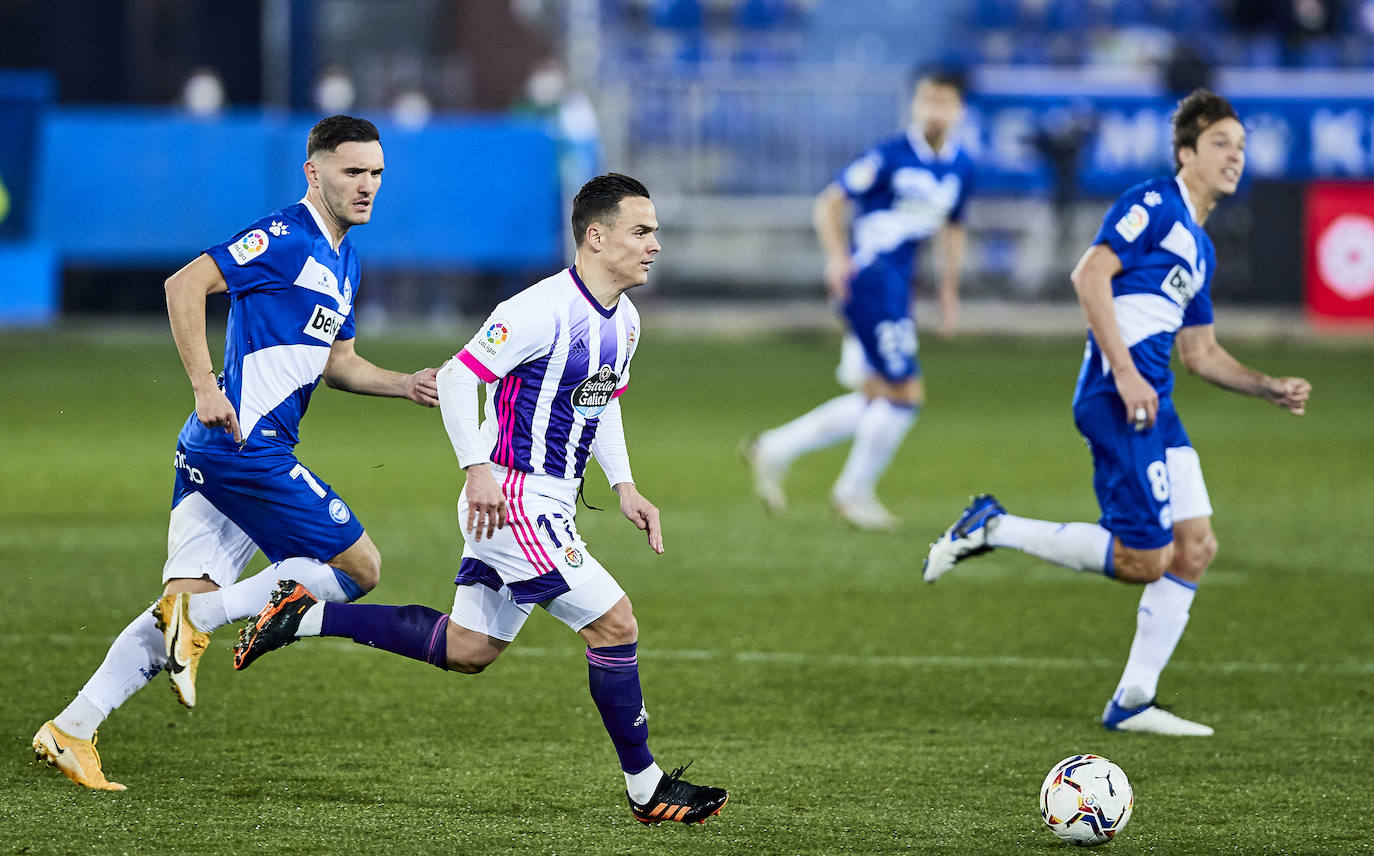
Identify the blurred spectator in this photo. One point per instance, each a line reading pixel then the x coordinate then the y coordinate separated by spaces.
pixel 1185 69
pixel 412 109
pixel 571 117
pixel 334 91
pixel 203 93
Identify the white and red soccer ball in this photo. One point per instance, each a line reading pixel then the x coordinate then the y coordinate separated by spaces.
pixel 1086 800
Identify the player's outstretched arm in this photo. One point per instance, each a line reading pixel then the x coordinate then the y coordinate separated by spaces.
pixel 351 372
pixel 1204 356
pixel 186 292
pixel 641 512
pixel 1092 280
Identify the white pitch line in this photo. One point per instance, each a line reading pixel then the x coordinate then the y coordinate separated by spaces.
pixel 798 658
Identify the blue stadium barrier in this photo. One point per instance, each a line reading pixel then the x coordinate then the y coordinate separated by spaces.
pixel 133 187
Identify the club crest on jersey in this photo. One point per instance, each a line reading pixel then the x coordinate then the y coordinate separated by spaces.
pixel 591 396
pixel 490 340
pixel 573 556
pixel 249 247
pixel 338 512
pixel 324 324
pixel 1133 222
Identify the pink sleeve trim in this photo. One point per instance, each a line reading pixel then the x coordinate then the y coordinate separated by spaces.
pixel 620 392
pixel 478 369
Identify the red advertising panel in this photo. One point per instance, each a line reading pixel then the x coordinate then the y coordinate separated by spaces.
pixel 1340 250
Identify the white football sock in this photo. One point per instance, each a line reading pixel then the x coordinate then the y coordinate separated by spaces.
pixel 246 598
pixel 311 621
pixel 882 425
pixel 1159 623
pixel 81 718
pixel 641 786
pixel 1078 546
pixel 135 658
pixel 824 425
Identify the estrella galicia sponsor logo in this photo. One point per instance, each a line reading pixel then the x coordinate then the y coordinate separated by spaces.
pixel 591 396
pixel 249 247
pixel 338 512
pixel 573 556
pixel 324 324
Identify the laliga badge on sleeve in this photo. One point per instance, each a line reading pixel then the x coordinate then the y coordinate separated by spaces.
pixel 249 247
pixel 1133 222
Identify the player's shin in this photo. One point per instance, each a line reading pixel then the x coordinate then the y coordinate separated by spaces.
pixel 134 659
pixel 1159 623
pixel 613 678
pixel 414 631
pixel 881 428
pixel 1077 546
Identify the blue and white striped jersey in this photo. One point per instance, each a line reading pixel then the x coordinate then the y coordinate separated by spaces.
pixel 553 359
pixel 903 192
pixel 290 296
pixel 1167 262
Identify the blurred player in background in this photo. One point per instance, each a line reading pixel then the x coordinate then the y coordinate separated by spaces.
pixel 869 222
pixel 291 279
pixel 1144 284
pixel 555 358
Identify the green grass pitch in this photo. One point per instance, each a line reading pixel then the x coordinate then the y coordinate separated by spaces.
pixel 848 707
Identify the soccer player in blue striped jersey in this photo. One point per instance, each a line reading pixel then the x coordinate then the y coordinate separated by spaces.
pixel 1145 285
pixel 292 280
pixel 555 360
pixel 870 222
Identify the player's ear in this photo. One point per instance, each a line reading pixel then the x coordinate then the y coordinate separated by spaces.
pixel 594 236
pixel 312 173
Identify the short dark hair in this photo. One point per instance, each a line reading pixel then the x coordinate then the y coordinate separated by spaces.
pixel 329 134
pixel 1196 113
pixel 941 75
pixel 599 201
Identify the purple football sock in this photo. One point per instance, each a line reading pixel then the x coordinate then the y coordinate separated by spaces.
pixel 613 674
pixel 417 632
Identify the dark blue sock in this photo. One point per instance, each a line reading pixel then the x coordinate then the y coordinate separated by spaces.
pixel 417 632
pixel 613 675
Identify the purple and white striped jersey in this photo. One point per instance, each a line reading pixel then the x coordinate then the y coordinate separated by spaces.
pixel 553 359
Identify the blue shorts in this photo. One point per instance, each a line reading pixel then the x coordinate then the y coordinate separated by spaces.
pixel 274 499
pixel 1131 472
pixel 879 313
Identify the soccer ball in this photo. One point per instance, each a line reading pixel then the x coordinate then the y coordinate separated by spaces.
pixel 1086 800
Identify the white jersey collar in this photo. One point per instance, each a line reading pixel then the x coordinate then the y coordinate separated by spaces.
pixel 949 149
pixel 319 221
pixel 1187 200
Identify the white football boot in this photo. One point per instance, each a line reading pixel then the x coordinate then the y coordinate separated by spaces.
pixel 1150 718
pixel 968 537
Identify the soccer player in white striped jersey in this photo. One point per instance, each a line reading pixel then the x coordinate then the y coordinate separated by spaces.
pixel 555 359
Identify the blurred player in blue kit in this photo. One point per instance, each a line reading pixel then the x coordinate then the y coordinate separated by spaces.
pixel 555 359
pixel 869 222
pixel 292 281
pixel 1144 284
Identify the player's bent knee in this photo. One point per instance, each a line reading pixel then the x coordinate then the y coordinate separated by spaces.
pixel 1142 566
pixel 616 627
pixel 1197 555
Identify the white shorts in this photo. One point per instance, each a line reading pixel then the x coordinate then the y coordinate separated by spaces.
pixel 538 557
pixel 1188 497
pixel 854 367
pixel 202 542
